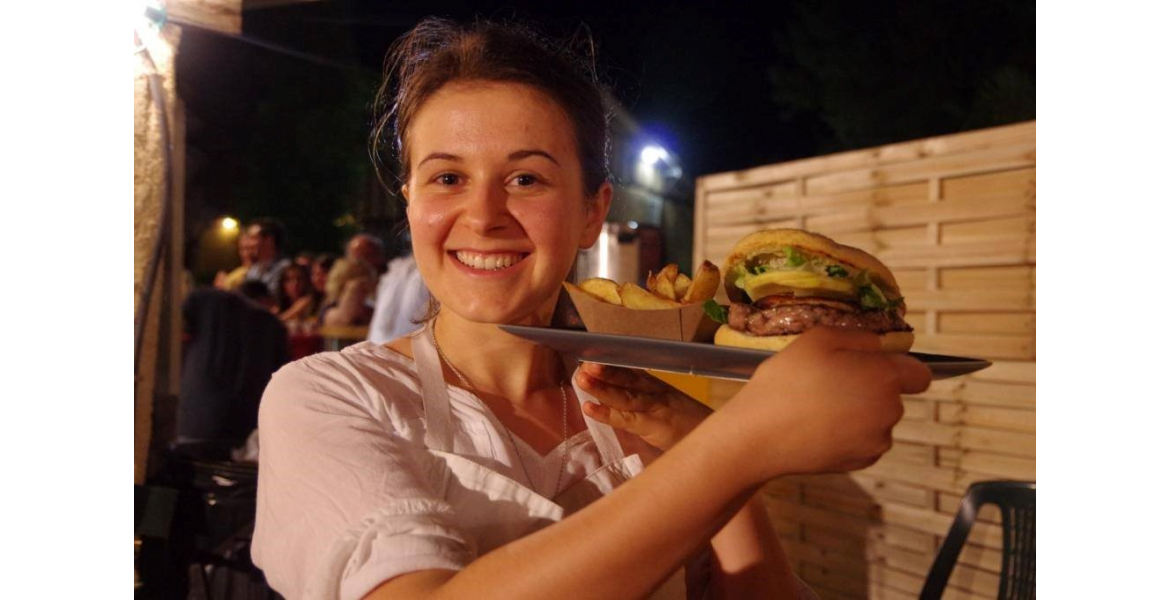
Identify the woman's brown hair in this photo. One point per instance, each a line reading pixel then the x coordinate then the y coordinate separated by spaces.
pixel 437 52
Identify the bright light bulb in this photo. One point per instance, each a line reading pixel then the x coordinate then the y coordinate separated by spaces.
pixel 653 154
pixel 229 224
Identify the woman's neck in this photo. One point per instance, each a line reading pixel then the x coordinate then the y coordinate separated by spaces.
pixel 496 362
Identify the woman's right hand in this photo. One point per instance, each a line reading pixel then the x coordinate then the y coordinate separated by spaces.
pixel 825 404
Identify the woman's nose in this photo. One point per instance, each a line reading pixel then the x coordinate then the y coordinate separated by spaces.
pixel 487 209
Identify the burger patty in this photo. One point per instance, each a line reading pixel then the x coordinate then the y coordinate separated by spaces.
pixel 793 318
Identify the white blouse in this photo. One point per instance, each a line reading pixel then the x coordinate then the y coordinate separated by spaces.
pixel 342 451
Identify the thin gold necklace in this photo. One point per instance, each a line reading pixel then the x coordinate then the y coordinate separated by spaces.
pixel 515 446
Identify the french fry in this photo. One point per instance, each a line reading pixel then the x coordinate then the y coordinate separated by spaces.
pixel 680 286
pixel 664 282
pixel 705 284
pixel 602 289
pixel 639 299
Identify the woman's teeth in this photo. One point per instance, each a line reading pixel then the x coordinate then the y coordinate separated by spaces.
pixel 488 262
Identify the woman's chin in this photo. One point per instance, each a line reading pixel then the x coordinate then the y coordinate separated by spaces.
pixel 503 315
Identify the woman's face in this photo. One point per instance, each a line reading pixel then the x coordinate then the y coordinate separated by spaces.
pixel 496 206
pixel 294 282
pixel 319 277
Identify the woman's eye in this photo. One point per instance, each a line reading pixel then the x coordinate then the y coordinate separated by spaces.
pixel 448 179
pixel 525 180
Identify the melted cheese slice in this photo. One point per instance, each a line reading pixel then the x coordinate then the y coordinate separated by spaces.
pixel 798 283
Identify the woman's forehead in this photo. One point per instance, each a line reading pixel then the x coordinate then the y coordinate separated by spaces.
pixel 489 118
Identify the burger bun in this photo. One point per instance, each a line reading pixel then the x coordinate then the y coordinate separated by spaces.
pixel 893 341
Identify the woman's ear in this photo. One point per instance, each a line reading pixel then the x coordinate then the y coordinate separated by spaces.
pixel 595 214
pixel 404 196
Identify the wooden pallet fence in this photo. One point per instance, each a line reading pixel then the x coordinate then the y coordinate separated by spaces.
pixel 955 218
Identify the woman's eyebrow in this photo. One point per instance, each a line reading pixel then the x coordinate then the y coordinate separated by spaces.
pixel 440 156
pixel 520 154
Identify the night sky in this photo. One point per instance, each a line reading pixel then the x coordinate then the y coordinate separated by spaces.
pixel 722 88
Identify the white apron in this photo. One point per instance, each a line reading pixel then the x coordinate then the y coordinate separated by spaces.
pixel 492 508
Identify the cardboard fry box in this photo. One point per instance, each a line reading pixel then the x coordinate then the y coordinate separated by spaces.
pixel 687 323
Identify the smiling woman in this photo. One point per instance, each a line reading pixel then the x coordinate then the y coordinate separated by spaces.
pixel 458 462
pixel 496 217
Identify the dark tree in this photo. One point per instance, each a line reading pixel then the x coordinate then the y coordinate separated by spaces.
pixel 859 74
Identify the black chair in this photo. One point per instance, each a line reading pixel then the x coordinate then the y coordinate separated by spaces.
pixel 1017 503
pixel 214 520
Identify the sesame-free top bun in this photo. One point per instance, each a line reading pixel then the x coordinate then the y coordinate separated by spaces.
pixel 769 241
pixel 893 341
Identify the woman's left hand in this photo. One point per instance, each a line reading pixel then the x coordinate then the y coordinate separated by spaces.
pixel 637 402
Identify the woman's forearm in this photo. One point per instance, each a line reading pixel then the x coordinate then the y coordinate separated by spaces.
pixel 622 546
pixel 749 562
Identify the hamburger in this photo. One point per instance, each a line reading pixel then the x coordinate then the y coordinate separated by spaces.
pixel 783 282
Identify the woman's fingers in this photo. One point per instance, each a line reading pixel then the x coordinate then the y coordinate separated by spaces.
pixel 617 396
pixel 914 375
pixel 623 377
pixel 843 338
pixel 621 419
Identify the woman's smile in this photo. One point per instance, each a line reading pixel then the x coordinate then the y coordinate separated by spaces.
pixel 487 263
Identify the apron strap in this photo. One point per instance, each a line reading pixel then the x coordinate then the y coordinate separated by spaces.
pixel 436 400
pixel 607 443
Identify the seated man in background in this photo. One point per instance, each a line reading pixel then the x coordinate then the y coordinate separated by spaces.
pixel 270 260
pixel 367 248
pixel 235 345
pixel 248 247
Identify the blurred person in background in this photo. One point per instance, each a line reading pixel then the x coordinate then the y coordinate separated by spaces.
pixel 400 303
pixel 349 293
pixel 249 248
pixel 319 272
pixel 298 300
pixel 305 259
pixel 270 260
pixel 368 248
pixel 234 346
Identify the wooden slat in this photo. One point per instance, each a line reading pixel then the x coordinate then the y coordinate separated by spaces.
pixel 818 517
pixel 767 206
pixel 910 452
pixel 1019 181
pixel 997 158
pixel 917 409
pixel 996 210
pixel 1008 230
pixel 1020 133
pixel 1021 250
pixel 831 540
pixel 1007 323
pixel 878 592
pixel 912 280
pixel 824 579
pixel 1007 347
pixel 942 435
pixel 1020 277
pixel 987 393
pixel 1009 372
pixel 936 523
pixel 971 300
pixel 994 417
pixel 907 539
pixel 988 513
pixel 906 239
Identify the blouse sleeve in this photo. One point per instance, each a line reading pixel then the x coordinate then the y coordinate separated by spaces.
pixel 344 502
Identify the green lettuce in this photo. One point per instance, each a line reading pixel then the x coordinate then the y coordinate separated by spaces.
pixel 716 311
